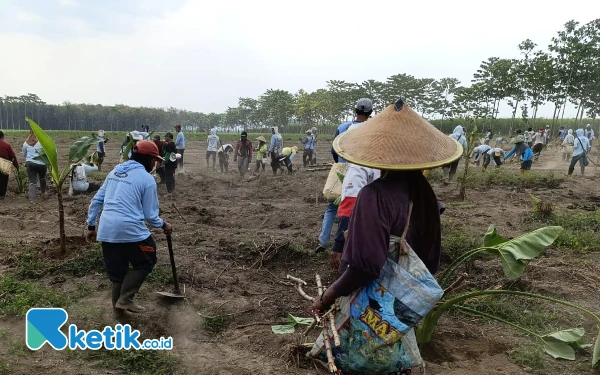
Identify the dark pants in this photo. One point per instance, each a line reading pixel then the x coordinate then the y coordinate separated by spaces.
pixel 117 257
pixel 170 178
pixel 259 163
pixel 579 158
pixel 288 163
pixel 526 165
pixel 307 157
pixel 33 172
pixel 180 161
pixel 100 160
pixel 338 245
pixel 498 160
pixel 486 160
pixel 3 184
pixel 243 165
pixel 224 163
pixel 450 170
pixel 275 162
pixel 214 157
pixel 161 173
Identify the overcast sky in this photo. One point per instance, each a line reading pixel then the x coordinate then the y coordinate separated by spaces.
pixel 203 55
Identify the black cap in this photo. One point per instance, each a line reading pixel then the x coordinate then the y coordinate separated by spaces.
pixel 244 134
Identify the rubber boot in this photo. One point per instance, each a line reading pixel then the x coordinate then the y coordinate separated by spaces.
pixel 131 285
pixel 116 293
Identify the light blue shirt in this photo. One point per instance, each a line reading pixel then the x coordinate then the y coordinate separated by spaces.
pixel 309 142
pixel 342 128
pixel 581 143
pixel 129 196
pixel 276 143
pixel 180 141
pixel 31 152
pixel 458 134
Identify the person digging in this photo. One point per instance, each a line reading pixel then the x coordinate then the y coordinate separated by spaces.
pixel 127 198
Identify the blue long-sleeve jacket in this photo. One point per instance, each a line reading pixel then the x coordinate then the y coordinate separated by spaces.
pixel 342 128
pixel 276 145
pixel 129 197
pixel 180 141
pixel 521 149
pixel 581 143
pixel 308 142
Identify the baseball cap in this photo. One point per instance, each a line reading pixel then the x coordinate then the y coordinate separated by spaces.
pixel 364 105
pixel 244 134
pixel 147 148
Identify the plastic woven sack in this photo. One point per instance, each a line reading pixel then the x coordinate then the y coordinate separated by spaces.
pixel 6 167
pixel 376 323
pixel 333 186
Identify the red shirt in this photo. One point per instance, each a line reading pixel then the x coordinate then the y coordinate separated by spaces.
pixel 7 152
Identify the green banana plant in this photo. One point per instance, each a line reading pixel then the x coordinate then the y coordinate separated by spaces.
pixel 512 254
pixel 49 156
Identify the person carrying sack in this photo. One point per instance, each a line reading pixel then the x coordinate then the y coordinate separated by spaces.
pixel 384 292
pixel 581 148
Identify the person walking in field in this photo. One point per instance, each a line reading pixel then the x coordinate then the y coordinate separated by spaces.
pixel 355 179
pixel 6 153
pixel 362 111
pixel 169 166
pixel 450 170
pixel 488 137
pixel 211 150
pixel 309 148
pixel 100 148
pixel 581 148
pixel 567 146
pixel 529 137
pixel 35 168
pixel 275 148
pixel 242 154
pixel 499 142
pixel 261 153
pixel 128 200
pixel 223 156
pixel 180 146
pixel 539 141
pixel 522 150
pixel 589 133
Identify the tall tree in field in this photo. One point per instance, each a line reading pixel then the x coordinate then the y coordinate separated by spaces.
pixel 278 106
pixel 375 90
pixel 445 89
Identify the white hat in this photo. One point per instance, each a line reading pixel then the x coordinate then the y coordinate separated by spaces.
pixel 136 135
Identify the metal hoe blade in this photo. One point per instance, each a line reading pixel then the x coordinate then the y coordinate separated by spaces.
pixel 177 293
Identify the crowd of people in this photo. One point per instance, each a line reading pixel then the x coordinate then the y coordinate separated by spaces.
pixel 386 205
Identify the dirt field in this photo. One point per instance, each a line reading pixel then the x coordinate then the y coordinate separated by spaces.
pixel 234 294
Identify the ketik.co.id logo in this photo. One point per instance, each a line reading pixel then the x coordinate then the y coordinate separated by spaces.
pixel 42 325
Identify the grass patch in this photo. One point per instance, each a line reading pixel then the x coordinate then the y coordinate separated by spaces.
pixel 19 296
pixel 216 324
pixel 134 361
pixel 457 241
pixel 161 274
pixel 30 265
pixel 5 368
pixel 501 177
pixel 529 354
pixel 582 230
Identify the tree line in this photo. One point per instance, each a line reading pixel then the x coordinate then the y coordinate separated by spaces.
pixel 566 72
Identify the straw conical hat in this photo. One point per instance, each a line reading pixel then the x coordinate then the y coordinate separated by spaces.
pixel 397 138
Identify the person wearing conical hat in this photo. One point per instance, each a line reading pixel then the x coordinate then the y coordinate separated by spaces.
pixel 211 150
pixel 261 153
pixel 523 150
pixel 362 112
pixel 398 210
pixel 450 170
pixel 309 147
